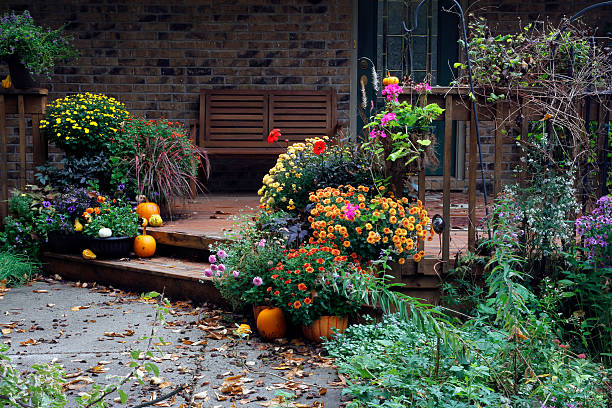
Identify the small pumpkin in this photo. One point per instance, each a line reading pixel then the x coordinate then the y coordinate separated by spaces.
pixel 388 80
pixel 156 220
pixel 88 254
pixel 105 233
pixel 147 209
pixel 78 227
pixel 271 323
pixel 144 245
pixel 6 82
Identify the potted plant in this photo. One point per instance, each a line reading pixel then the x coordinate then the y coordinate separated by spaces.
pixel 314 285
pixel 401 132
pixel 29 49
pixel 111 227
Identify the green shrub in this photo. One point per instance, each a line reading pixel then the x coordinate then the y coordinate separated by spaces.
pixel 16 269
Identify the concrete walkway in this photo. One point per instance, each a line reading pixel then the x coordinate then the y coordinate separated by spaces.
pixel 90 331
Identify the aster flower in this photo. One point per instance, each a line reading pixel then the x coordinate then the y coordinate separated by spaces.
pixel 257 281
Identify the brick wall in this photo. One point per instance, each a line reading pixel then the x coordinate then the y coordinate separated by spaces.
pixel 156 55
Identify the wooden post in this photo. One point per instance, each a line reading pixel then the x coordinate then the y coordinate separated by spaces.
pixel 448 137
pixel 3 161
pixel 472 183
pixel 524 132
pixel 22 142
pixel 500 117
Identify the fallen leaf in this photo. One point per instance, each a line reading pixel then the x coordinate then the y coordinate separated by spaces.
pixel 201 395
pixel 78 383
pixel 29 342
pixel 6 331
pixel 98 369
pixel 77 308
pixel 40 291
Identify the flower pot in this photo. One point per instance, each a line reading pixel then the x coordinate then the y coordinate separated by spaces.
pixel 112 247
pixel 325 326
pixel 257 310
pixel 65 242
pixel 20 76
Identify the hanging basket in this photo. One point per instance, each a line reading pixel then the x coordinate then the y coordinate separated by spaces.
pixel 20 76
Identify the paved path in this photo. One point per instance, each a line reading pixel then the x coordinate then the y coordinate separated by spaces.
pixel 90 331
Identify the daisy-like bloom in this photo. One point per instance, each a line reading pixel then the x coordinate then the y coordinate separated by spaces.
pixel 257 281
pixel 101 199
pixel 297 304
pixel 319 147
pixel 307 301
pixel 302 286
pixel 274 135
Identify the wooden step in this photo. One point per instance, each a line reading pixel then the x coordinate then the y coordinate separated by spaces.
pixel 177 278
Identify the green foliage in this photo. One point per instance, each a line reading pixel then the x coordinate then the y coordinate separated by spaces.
pixel 77 171
pixel 36 47
pixel 16 269
pixel 117 215
pixel 84 124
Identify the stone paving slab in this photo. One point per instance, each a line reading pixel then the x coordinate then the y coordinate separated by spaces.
pixel 83 328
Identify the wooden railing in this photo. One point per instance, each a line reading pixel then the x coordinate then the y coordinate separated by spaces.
pixel 457 105
pixel 23 103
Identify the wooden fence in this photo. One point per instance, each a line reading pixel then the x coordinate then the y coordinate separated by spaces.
pixel 23 103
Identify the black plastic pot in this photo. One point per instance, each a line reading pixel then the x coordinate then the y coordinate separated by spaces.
pixel 112 247
pixel 65 242
pixel 20 76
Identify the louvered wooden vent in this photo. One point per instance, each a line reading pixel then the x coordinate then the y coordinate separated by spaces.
pixel 238 121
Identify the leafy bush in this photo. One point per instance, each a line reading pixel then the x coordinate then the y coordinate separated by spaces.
pixel 16 269
pixel 85 123
pixel 116 215
pixel 77 172
pixel 395 364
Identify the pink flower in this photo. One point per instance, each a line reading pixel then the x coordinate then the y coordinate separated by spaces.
pixel 377 133
pixel 236 274
pixel 563 346
pixel 214 267
pixel 208 273
pixel 221 267
pixel 581 355
pixel 422 88
pixel 222 254
pixel 212 259
pixel 391 92
pixel 262 243
pixel 349 211
pixel 257 281
pixel 388 117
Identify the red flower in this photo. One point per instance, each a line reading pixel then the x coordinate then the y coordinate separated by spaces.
pixel 297 304
pixel 301 286
pixel 308 301
pixel 581 355
pixel 269 289
pixel 319 147
pixel 274 135
pixel 276 292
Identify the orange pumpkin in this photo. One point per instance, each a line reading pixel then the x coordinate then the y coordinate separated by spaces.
pixel 325 326
pixel 147 209
pixel 271 323
pixel 144 245
pixel 388 80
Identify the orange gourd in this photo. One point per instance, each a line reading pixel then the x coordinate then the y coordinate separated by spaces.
pixel 388 80
pixel 147 209
pixel 271 323
pixel 144 245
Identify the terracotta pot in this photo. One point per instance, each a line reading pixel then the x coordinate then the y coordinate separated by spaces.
pixel 325 326
pixel 256 310
pixel 20 76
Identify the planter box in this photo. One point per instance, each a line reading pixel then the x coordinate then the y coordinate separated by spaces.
pixel 112 247
pixel 65 243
